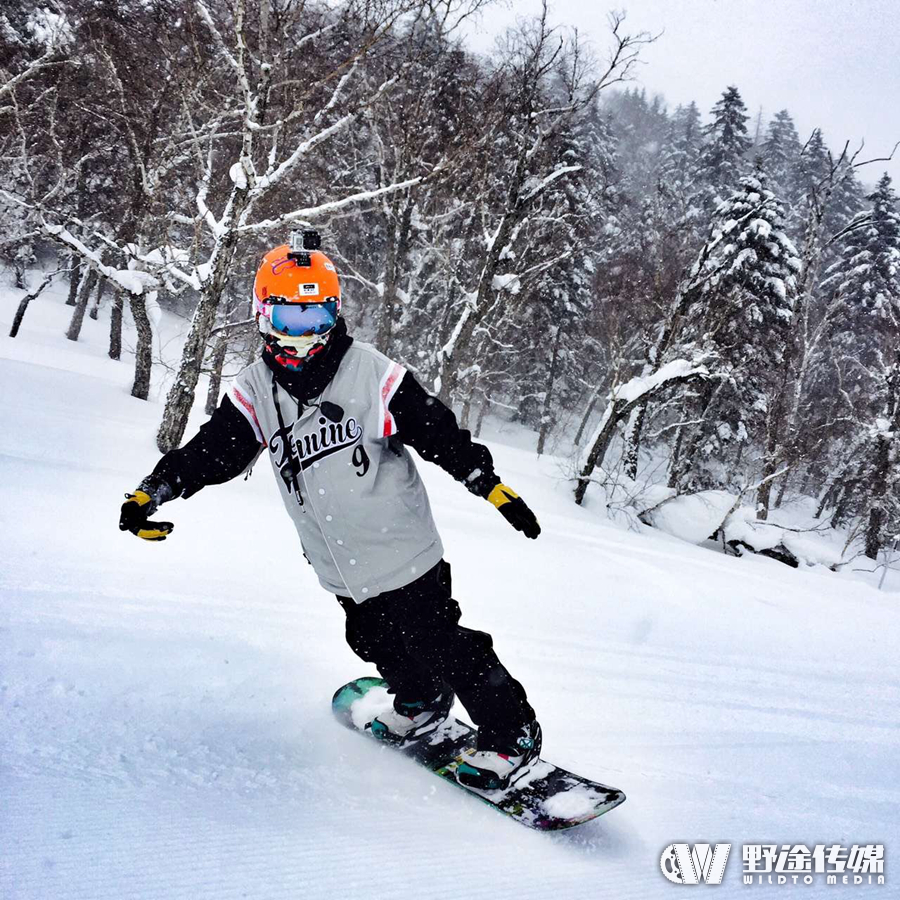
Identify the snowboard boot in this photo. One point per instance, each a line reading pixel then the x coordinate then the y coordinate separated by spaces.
pixel 499 758
pixel 406 721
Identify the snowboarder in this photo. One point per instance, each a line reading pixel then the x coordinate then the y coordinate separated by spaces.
pixel 336 416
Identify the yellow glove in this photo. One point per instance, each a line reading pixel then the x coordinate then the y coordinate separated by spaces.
pixel 134 517
pixel 512 507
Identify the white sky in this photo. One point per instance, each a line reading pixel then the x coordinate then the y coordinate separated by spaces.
pixel 831 63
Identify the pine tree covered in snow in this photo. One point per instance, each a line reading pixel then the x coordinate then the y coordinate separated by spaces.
pixel 815 173
pixel 738 327
pixel 640 132
pixel 865 315
pixel 727 142
pixel 865 281
pixel 780 153
pixel 680 158
pixel 678 218
pixel 865 332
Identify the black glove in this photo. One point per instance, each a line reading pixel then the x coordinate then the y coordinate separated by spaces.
pixel 514 510
pixel 140 505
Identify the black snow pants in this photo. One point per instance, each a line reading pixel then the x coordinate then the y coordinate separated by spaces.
pixel 413 637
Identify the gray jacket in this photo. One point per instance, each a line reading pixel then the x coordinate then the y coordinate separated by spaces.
pixel 362 512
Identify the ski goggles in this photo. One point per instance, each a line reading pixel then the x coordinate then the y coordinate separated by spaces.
pixel 297 319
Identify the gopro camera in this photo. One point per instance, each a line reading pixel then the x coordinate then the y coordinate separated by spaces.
pixel 301 243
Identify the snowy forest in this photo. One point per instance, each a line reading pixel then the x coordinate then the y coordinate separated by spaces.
pixel 694 299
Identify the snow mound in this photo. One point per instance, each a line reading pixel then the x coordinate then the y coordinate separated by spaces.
pixel 649 496
pixel 691 517
pixel 812 550
pixel 743 526
pixel 238 176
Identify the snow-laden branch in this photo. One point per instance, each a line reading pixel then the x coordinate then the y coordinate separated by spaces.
pixel 336 93
pixel 622 400
pixel 41 62
pixel 447 350
pixel 642 385
pixel 127 279
pixel 535 192
pixel 18 201
pixel 217 36
pixel 270 179
pixel 307 38
pixel 164 260
pixel 206 213
pixel 322 209
pixel 349 271
pixel 233 326
pixel 250 99
pixel 55 31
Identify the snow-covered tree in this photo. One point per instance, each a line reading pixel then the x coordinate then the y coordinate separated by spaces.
pixel 805 419
pixel 724 154
pixel 738 326
pixel 35 42
pixel 641 127
pixel 863 321
pixel 576 215
pixel 780 154
pixel 540 86
pixel 865 281
pixel 680 157
pixel 392 249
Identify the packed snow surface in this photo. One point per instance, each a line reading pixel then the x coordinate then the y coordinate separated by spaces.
pixel 167 730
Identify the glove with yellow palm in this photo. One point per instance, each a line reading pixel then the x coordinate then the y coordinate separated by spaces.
pixel 139 506
pixel 512 507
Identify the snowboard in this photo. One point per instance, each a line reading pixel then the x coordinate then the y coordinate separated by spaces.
pixel 543 797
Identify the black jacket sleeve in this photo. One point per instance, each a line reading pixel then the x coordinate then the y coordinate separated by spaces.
pixel 430 428
pixel 222 449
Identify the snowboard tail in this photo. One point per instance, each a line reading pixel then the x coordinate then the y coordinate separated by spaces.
pixel 543 796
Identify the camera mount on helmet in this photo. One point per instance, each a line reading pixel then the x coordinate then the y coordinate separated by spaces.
pixel 302 242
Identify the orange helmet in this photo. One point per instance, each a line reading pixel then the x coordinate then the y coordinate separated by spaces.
pixel 297 299
pixel 282 279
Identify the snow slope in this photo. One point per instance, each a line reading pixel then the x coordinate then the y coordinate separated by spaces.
pixel 166 724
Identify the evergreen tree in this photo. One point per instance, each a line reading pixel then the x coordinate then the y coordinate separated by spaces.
pixel 815 172
pixel 640 131
pixel 866 279
pixel 865 315
pixel 846 201
pixel 562 295
pixel 780 152
pixel 679 217
pixel 811 164
pixel 739 326
pixel 679 168
pixel 863 289
pixel 723 156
